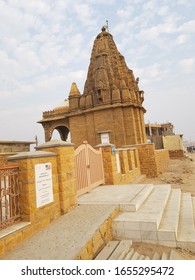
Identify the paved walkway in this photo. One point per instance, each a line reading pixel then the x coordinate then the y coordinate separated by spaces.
pixel 64 237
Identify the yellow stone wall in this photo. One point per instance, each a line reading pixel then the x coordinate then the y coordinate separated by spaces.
pixel 173 142
pixel 126 159
pixel 99 239
pixel 162 160
pixel 66 170
pixel 64 192
pixel 29 211
pixel 152 162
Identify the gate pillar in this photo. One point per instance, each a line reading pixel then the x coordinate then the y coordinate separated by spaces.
pixel 66 171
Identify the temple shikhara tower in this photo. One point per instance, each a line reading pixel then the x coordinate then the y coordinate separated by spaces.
pixel 109 110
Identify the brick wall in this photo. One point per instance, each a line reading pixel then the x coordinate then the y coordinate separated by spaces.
pixel 162 160
pixel 120 167
pixel 151 161
pixel 176 154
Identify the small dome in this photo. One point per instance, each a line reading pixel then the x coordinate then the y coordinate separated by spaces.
pixel 64 103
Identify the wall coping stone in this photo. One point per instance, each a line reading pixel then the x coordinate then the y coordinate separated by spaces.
pixel 143 144
pixel 104 145
pixel 126 149
pixel 25 155
pixel 54 143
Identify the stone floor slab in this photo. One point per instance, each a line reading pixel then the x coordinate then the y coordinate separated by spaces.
pixel 124 245
pixel 107 250
pixel 186 229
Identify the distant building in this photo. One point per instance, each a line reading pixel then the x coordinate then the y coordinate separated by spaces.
pixel 13 147
pixel 189 146
pixel 154 133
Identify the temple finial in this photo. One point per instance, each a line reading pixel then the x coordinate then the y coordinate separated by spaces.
pixel 105 27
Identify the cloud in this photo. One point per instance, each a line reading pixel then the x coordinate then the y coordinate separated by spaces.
pixel 188 27
pixel 85 14
pixel 187 65
pixel 181 39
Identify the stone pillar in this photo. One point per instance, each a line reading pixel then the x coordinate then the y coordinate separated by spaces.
pixel 143 129
pixel 138 125
pixel 132 127
pixel 30 212
pixel 66 169
pixel 109 162
pixel 118 125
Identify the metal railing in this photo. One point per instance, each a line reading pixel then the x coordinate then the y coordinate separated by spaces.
pixel 9 195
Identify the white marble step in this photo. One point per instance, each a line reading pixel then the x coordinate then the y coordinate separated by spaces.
pixel 168 227
pixel 142 257
pixel 122 255
pixel 176 255
pixel 142 225
pixel 193 205
pixel 122 248
pixel 107 250
pixel 165 256
pixel 135 256
pixel 129 254
pixel 124 252
pixel 156 256
pixel 186 228
pixel 138 200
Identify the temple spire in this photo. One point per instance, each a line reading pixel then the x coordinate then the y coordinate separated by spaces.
pixel 74 91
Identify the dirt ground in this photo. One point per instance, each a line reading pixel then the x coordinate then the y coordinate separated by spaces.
pixel 180 174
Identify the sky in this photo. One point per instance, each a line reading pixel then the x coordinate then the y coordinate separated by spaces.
pixel 46 45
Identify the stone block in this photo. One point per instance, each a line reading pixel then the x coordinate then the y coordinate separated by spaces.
pixel 2 247
pixel 10 242
pixel 90 249
pixel 97 242
pixel 83 255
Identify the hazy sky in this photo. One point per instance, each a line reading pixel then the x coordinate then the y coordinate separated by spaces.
pixel 46 45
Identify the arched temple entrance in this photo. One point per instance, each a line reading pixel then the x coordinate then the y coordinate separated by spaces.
pixel 63 132
pixel 53 127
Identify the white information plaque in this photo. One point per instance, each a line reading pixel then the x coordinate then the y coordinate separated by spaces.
pixel 44 188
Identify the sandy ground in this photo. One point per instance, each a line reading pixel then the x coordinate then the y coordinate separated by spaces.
pixel 180 174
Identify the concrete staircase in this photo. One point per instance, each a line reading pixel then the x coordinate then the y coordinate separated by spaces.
pixel 158 215
pixel 122 250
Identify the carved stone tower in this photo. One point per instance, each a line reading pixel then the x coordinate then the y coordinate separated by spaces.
pixel 110 108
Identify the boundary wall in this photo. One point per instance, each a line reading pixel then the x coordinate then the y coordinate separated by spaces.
pixel 33 218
